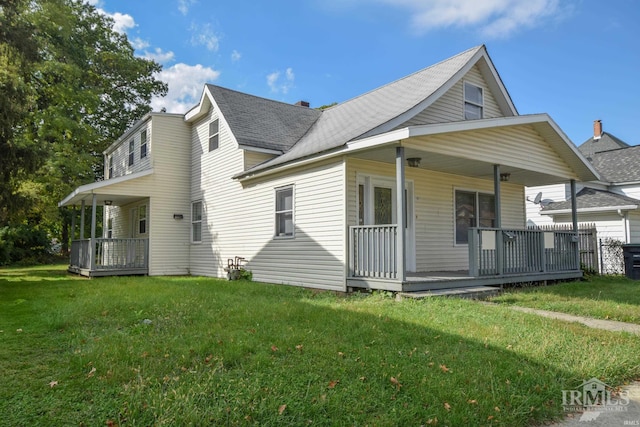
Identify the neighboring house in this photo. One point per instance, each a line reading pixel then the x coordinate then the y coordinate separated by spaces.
pixel 412 184
pixel 611 203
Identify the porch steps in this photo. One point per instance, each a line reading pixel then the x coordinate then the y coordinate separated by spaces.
pixel 470 292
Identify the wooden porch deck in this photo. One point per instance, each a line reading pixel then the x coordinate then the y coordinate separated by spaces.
pixel 437 280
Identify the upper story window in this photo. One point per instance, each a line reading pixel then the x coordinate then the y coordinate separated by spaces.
pixel 473 210
pixel 284 212
pixel 143 144
pixel 196 222
pixel 131 152
pixel 473 101
pixel 110 175
pixel 213 135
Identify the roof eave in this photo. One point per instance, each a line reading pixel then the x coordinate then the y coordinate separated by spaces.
pixel 91 188
pixel 591 210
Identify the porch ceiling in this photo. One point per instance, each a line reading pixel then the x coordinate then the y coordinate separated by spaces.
pixel 117 191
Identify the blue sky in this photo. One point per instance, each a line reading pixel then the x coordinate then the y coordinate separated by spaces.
pixel 578 60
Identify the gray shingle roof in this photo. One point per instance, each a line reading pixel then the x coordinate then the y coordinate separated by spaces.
pixel 606 142
pixel 592 198
pixel 263 123
pixel 361 115
pixel 618 166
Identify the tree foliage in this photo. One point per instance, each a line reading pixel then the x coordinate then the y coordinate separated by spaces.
pixel 71 85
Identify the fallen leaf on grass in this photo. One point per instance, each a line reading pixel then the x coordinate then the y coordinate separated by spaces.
pixel 92 372
pixel 208 358
pixel 395 382
pixel 444 368
pixel 281 409
pixel 447 406
pixel 333 384
pixel 52 384
pixel 299 347
pixel 472 401
pixel 274 348
pixel 18 330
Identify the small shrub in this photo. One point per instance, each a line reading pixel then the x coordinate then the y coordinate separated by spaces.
pixel 23 244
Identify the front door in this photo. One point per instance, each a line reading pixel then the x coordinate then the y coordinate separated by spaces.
pixel 377 206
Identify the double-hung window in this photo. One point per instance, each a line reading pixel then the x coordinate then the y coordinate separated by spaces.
pixel 214 128
pixel 473 209
pixel 196 222
pixel 284 212
pixel 142 219
pixel 131 152
pixel 473 101
pixel 143 144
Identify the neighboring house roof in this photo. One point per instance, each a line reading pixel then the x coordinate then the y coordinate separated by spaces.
pixel 590 199
pixel 618 166
pixel 386 107
pixel 606 142
pixel 263 123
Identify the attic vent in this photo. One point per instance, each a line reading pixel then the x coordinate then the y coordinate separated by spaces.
pixel 302 104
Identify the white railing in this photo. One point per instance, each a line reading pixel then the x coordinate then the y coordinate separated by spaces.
pixel 110 254
pixel 373 251
pixel 494 251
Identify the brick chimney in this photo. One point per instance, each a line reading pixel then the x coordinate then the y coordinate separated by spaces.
pixel 597 129
pixel 302 104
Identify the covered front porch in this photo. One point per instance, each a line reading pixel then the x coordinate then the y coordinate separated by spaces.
pixel 115 246
pixel 437 240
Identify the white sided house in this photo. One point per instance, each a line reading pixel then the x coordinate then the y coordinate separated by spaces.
pixel 611 203
pixel 416 185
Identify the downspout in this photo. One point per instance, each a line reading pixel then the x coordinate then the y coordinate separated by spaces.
pixel 401 215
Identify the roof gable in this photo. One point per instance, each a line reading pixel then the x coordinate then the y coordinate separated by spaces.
pixel 606 142
pixel 384 108
pixel 257 122
pixel 593 199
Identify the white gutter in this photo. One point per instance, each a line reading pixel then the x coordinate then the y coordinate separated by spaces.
pixel 587 210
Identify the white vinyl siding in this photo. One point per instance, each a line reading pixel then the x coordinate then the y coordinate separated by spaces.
pixel 119 156
pixel 239 217
pixel 252 158
pixel 434 211
pixel 450 106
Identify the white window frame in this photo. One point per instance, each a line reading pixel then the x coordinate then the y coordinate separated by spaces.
pixel 277 233
pixel 143 219
pixel 477 194
pixel 471 102
pixel 215 135
pixel 143 144
pixel 196 221
pixel 109 227
pixel 110 166
pixel 132 152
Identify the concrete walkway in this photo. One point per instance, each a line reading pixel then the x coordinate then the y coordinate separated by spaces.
pixel 615 415
pixel 608 325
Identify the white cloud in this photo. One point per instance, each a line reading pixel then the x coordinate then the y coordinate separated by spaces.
pixel 139 44
pixel 184 5
pixel 185 86
pixel 204 36
pixel 159 56
pixel 493 18
pixel 235 56
pixel 123 22
pixel 277 85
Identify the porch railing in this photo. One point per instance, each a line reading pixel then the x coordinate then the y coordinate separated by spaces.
pixel 373 251
pixel 494 251
pixel 110 254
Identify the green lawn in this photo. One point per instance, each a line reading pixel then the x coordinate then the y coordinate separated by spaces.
pixel 78 352
pixel 605 297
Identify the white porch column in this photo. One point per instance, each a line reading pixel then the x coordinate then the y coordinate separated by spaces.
pixel 82 220
pixel 92 246
pixel 574 220
pixel 498 220
pixel 401 215
pixel 73 223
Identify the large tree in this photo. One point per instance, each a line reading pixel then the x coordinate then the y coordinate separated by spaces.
pixel 85 88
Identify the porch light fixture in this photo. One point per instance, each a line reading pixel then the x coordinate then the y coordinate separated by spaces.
pixel 413 162
pixel 108 202
pixel 504 177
